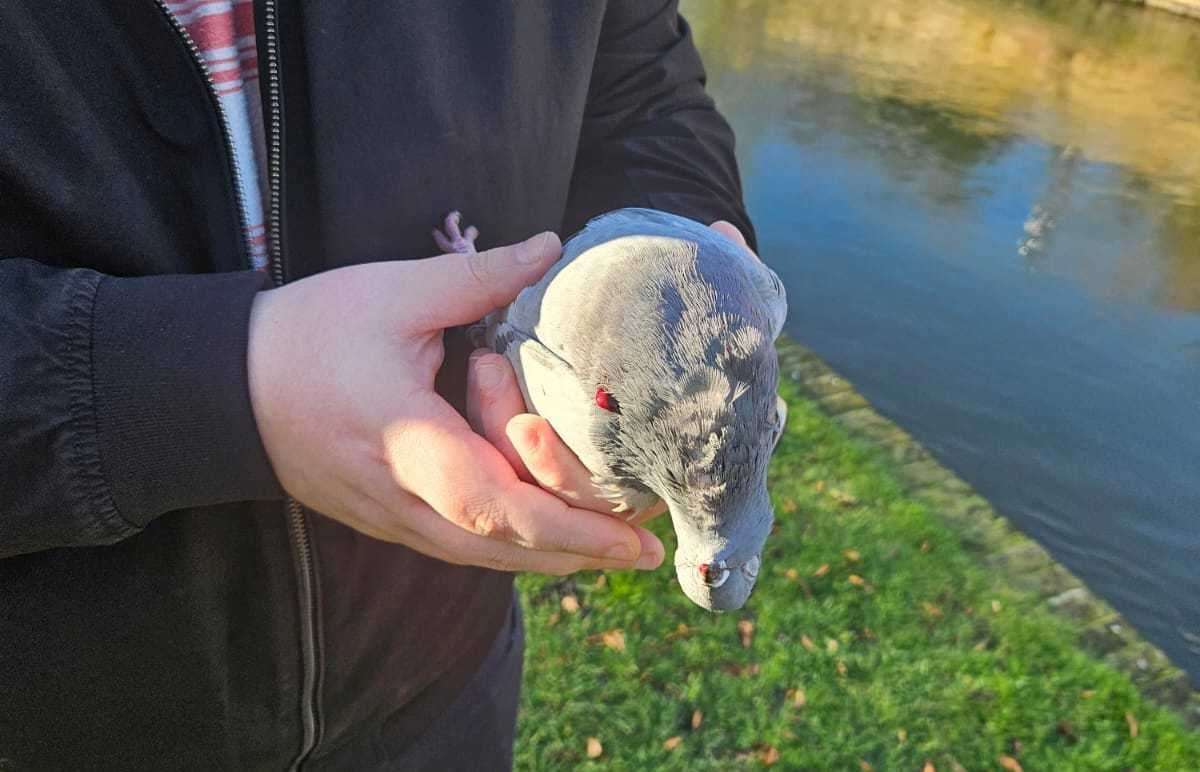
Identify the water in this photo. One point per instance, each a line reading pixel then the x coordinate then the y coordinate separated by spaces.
pixel 987 215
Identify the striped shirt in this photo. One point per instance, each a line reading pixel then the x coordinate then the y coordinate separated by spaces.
pixel 223 31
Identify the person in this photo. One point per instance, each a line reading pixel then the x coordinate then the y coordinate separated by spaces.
pixel 243 520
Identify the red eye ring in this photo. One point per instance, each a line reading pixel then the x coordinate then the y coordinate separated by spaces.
pixel 606 401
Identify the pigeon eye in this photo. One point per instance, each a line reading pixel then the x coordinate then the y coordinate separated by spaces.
pixel 714 574
pixel 606 401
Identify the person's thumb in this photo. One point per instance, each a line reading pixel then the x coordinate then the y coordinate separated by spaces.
pixel 462 288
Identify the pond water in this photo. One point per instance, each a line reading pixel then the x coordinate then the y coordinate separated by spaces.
pixel 987 215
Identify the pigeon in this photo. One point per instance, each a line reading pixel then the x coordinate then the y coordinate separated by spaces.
pixel 649 346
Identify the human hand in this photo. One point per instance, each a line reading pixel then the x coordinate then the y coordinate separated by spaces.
pixel 342 367
pixel 496 410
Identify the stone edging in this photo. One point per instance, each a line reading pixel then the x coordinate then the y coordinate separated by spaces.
pixel 1019 560
pixel 1180 7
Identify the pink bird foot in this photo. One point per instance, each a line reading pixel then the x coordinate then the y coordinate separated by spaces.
pixel 450 238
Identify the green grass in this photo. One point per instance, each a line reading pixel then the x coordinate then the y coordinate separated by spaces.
pixel 925 659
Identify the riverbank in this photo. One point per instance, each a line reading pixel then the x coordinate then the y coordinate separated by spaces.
pixel 898 622
pixel 1189 8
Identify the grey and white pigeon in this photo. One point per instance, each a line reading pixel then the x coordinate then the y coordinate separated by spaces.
pixel 649 346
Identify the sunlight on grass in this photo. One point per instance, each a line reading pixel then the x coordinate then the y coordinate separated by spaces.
pixel 873 641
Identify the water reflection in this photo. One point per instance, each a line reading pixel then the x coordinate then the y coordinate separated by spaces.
pixel 988 215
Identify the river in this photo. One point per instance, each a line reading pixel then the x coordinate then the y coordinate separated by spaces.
pixel 987 215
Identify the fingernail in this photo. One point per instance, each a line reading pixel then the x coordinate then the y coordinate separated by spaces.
pixel 621 552
pixel 487 374
pixel 534 249
pixel 649 560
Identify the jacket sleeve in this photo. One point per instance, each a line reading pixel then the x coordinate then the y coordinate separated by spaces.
pixel 121 399
pixel 651 135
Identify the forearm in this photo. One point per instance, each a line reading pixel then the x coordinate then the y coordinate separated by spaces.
pixel 121 399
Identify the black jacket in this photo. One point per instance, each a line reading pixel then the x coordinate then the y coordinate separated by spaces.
pixel 159 607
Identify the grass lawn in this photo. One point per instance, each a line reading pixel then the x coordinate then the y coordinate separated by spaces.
pixel 873 641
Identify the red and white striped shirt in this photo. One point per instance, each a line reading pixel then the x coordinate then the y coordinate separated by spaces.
pixel 223 30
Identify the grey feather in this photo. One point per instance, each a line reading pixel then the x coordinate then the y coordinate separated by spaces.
pixel 678 323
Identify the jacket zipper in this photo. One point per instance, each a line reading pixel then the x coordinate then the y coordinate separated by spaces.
pixel 222 120
pixel 298 530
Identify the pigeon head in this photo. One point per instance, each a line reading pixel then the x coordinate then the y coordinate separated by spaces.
pixel 695 423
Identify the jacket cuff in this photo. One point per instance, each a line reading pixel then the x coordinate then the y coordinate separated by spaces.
pixel 175 424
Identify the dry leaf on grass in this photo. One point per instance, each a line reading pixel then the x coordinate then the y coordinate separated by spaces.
pixel 996 607
pixel 852 555
pixel 821 570
pixel 797 697
pixel 697 719
pixel 807 643
pixel 614 639
pixel 902 735
pixel 552 620
pixel 569 603
pixel 746 632
pixel 1009 763
pixel 1087 694
pixel 865 766
pixel 841 668
pixel 769 755
pixel 856 580
pixel 928 767
pixel 1133 724
pixel 601 581
pixel 594 749
pixel 671 743
pixel 842 497
pixel 792 574
pixel 831 645
pixel 931 611
pixel 788 506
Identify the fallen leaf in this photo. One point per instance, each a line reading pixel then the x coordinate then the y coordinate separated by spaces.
pixel 1087 694
pixel 856 580
pixel 681 631
pixel 552 620
pixel 841 668
pixel 831 645
pixel 842 497
pixel 671 743
pixel 982 645
pixel 821 570
pixel 807 643
pixel 569 603
pixel 932 611
pixel 697 719
pixel 996 607
pixel 788 506
pixel 614 639
pixel 865 766
pixel 1009 763
pixel 928 767
pixel 792 574
pixel 797 697
pixel 1133 724
pixel 594 749
pixel 902 735
pixel 868 633
pixel 601 581
pixel 925 546
pixel 852 555
pixel 819 486
pixel 769 755
pixel 746 632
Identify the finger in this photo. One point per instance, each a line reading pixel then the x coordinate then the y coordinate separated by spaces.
pixel 730 230
pixel 464 287
pixel 466 480
pixel 436 536
pixel 407 520
pixel 553 465
pixel 493 398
